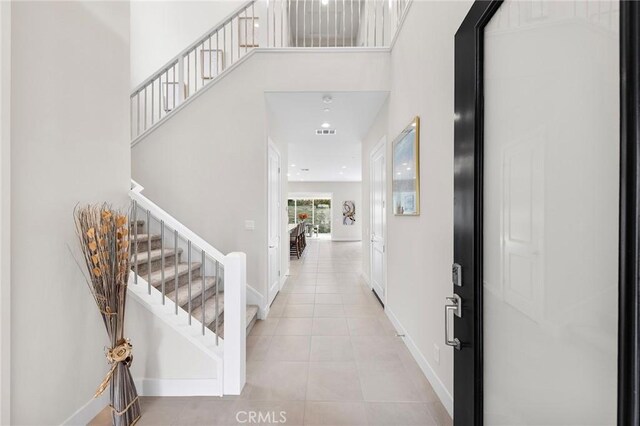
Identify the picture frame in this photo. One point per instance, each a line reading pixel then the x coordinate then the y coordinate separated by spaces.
pixel 211 63
pixel 406 171
pixel 348 212
pixel 248 31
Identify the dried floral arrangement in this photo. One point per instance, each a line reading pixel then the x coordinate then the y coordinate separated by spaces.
pixel 303 216
pixel 104 239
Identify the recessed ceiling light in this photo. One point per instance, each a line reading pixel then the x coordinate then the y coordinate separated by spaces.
pixel 327 99
pixel 325 2
pixel 293 165
pixel 341 173
pixel 408 168
pixel 326 110
pixel 399 173
pixel 344 167
pixel 404 164
pixel 325 125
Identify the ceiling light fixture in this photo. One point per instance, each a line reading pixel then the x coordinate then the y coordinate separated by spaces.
pixel 293 165
pixel 344 167
pixel 325 2
pixel 326 110
pixel 325 125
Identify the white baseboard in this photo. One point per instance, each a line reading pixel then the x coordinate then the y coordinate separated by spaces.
pixel 178 387
pixel 346 239
pixel 88 411
pixel 255 298
pixel 148 387
pixel 445 397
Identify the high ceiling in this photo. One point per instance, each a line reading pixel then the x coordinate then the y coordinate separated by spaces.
pixel 294 118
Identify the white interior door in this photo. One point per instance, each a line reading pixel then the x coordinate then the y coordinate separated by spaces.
pixel 378 220
pixel 274 216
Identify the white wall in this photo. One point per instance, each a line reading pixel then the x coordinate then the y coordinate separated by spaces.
pixel 160 352
pixel 211 174
pixel 340 191
pixel 5 206
pixel 162 29
pixel 419 279
pixel 69 140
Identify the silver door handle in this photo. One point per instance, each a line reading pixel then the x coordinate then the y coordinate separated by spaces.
pixel 455 306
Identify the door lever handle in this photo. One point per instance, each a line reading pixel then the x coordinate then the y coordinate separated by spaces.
pixel 455 306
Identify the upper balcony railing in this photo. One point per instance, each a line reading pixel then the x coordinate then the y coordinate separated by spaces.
pixel 262 23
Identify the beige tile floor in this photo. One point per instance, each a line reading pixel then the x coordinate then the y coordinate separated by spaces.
pixel 326 355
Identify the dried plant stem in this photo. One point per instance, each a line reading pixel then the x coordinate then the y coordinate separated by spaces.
pixel 104 239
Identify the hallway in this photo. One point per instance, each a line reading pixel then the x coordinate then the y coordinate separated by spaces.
pixel 328 342
pixel 326 355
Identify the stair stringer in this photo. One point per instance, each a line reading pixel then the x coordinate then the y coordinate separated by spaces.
pixel 200 362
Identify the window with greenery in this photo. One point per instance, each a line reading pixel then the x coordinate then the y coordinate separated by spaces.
pixel 291 206
pixel 322 215
pixel 318 212
pixel 304 207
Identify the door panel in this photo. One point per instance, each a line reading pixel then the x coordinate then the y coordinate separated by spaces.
pixel 542 237
pixel 551 184
pixel 274 218
pixel 378 199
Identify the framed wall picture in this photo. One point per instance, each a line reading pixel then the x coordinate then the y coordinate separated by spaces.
pixel 248 31
pixel 348 213
pixel 406 171
pixel 211 63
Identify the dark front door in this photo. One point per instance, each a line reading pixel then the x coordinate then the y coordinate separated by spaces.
pixel 544 313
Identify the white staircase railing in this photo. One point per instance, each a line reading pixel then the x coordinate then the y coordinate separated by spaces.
pixel 262 24
pixel 228 273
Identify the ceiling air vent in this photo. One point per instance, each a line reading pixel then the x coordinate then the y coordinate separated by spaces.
pixel 326 132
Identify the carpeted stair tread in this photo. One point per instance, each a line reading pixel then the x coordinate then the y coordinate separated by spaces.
pixel 210 310
pixel 156 254
pixel 170 273
pixel 196 291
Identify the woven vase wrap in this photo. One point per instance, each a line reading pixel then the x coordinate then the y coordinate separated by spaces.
pixel 104 239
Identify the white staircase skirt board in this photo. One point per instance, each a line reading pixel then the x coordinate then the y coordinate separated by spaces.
pixel 445 397
pixel 255 298
pixel 180 322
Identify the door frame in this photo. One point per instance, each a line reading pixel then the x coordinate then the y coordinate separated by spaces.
pixel 468 208
pixel 279 214
pixel 382 144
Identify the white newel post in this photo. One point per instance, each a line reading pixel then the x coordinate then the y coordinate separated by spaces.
pixel 235 323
